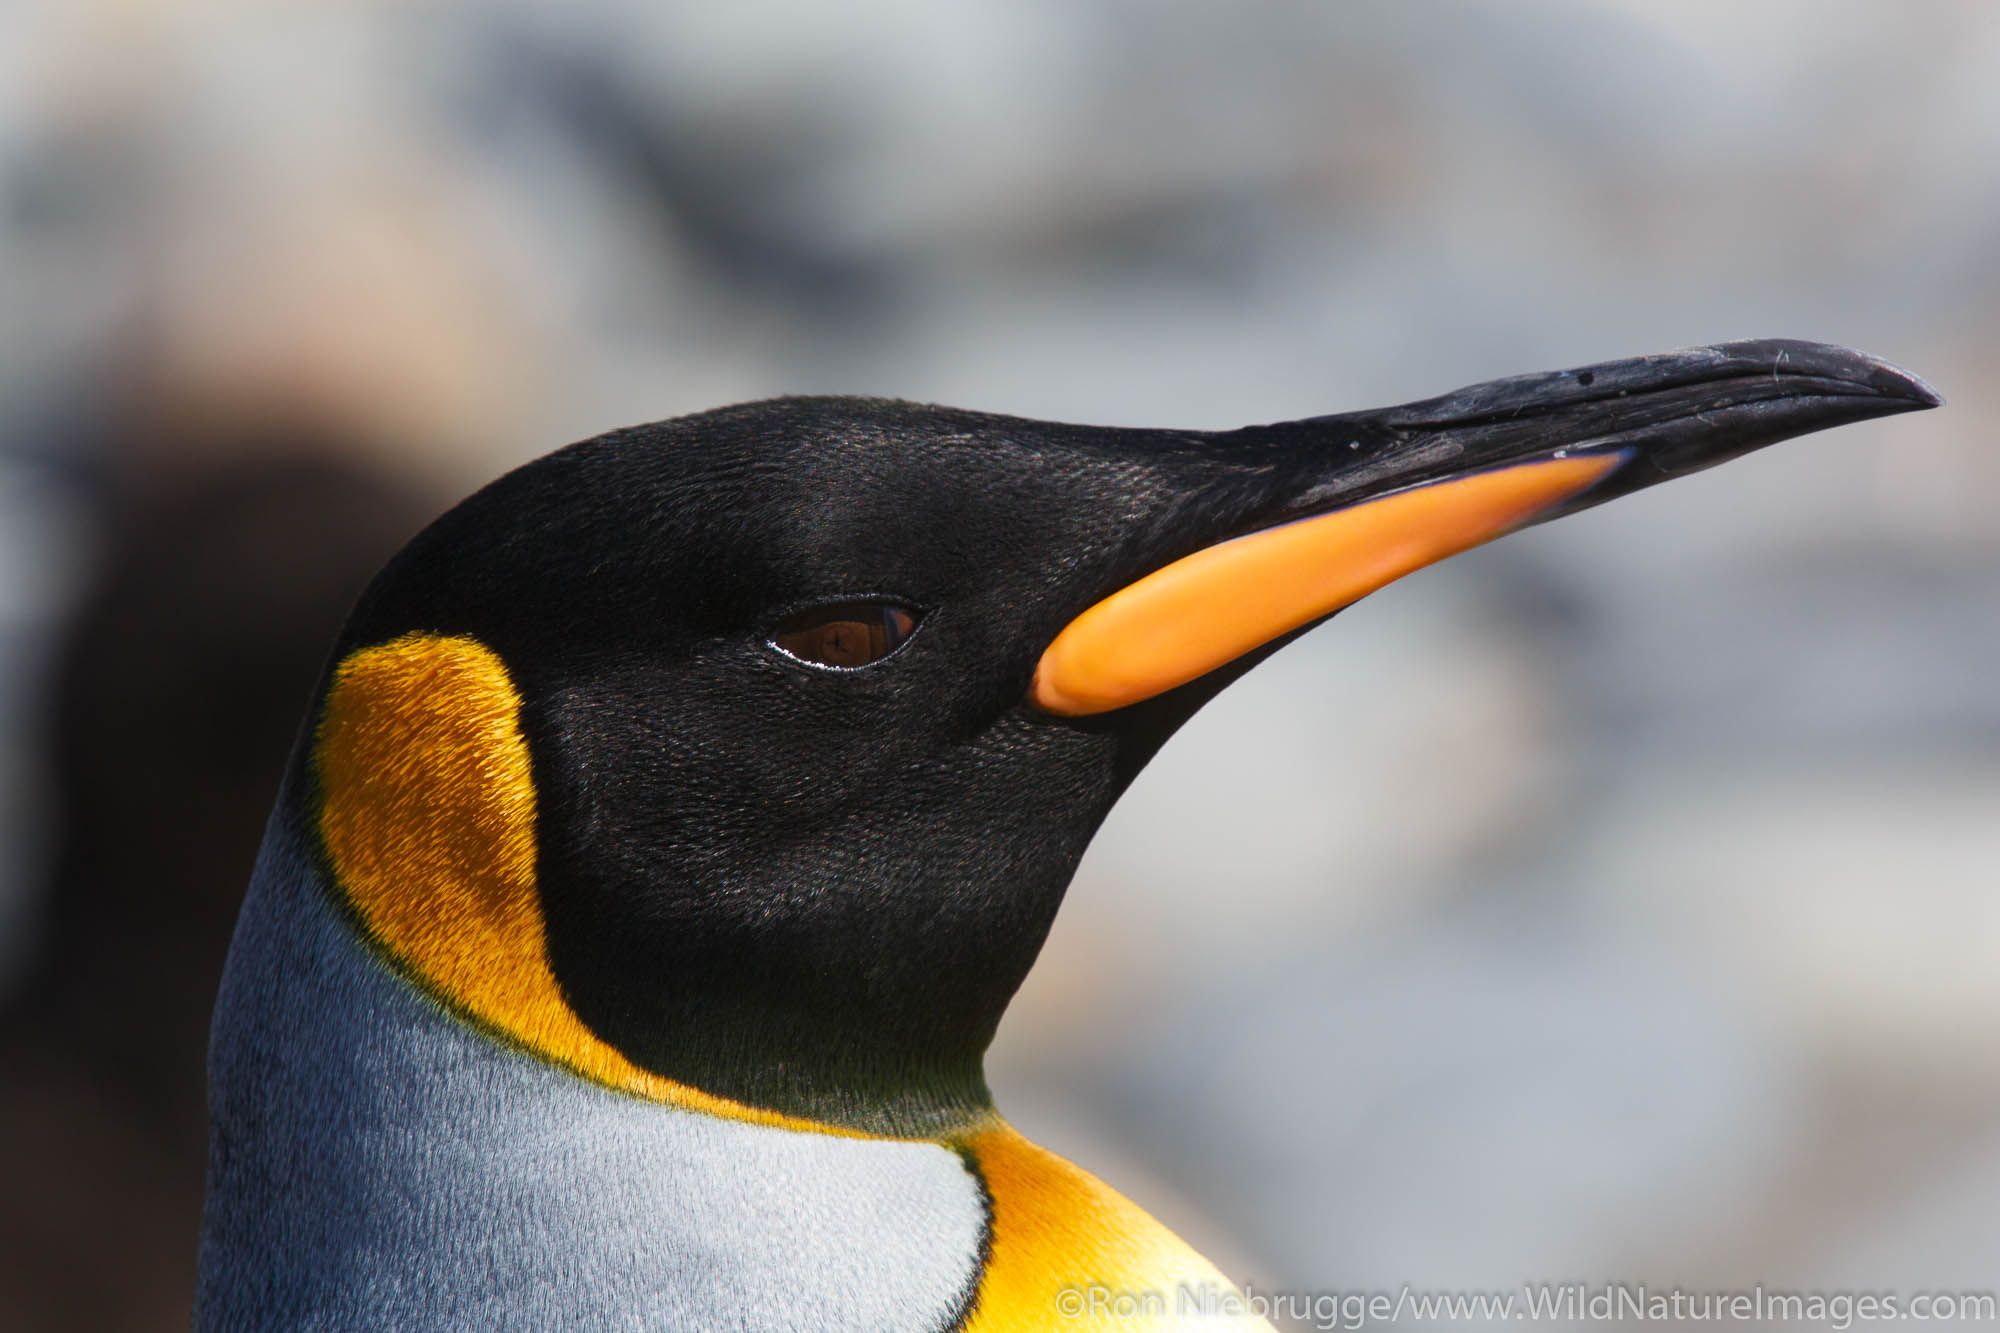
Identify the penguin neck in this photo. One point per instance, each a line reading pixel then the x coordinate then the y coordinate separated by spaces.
pixel 417 797
pixel 490 972
pixel 367 1140
pixel 375 1161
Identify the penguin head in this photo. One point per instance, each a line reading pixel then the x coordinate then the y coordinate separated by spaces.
pixel 775 733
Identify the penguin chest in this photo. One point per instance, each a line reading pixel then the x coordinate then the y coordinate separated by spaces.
pixel 1066 1252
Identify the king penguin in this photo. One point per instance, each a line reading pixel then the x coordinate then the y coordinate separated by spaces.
pixel 677 815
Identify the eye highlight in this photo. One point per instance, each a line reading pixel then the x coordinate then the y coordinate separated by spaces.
pixel 844 634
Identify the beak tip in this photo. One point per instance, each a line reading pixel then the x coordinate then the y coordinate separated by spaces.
pixel 1871 373
pixel 1900 383
pixel 1892 381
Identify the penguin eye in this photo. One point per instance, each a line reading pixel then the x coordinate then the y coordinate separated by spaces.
pixel 844 634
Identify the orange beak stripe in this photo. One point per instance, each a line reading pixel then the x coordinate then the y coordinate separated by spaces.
pixel 1183 621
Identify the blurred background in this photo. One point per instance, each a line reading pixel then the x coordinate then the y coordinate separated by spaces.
pixel 1620 902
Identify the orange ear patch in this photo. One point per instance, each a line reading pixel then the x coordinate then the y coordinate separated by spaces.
pixel 427 814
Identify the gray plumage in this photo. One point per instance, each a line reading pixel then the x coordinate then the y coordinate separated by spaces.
pixel 378 1164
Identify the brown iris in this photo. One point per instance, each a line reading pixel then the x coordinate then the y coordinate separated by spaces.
pixel 845 634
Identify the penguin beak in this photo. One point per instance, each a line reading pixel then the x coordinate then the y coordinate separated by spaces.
pixel 1366 498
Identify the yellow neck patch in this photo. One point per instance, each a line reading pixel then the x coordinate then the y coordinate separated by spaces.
pixel 1070 1252
pixel 427 814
